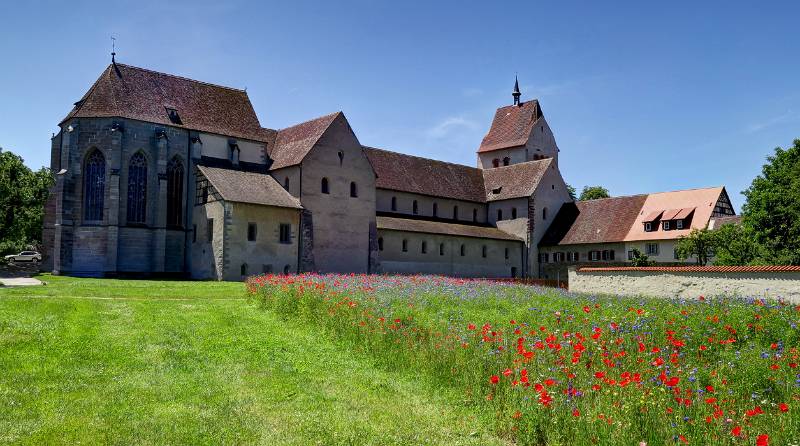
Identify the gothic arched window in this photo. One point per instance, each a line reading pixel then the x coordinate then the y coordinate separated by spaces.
pixel 94 186
pixel 137 188
pixel 495 162
pixel 353 190
pixel 175 192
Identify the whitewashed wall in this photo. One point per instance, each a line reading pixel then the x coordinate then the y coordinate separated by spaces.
pixel 774 285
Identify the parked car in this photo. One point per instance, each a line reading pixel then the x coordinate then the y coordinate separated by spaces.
pixel 25 256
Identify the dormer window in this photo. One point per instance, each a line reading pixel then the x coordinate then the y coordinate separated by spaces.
pixel 173 116
pixel 666 225
pixel 497 190
pixel 648 226
pixel 678 224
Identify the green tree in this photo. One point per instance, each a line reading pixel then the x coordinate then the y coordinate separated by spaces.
pixel 700 243
pixel 23 193
pixel 593 193
pixel 735 245
pixel 639 259
pixel 571 191
pixel 772 209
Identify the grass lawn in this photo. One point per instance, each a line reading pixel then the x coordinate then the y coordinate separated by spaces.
pixel 163 362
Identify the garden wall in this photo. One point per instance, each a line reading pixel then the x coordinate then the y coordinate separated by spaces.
pixel 690 281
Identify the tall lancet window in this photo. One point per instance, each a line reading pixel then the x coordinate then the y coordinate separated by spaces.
pixel 94 186
pixel 175 192
pixel 137 188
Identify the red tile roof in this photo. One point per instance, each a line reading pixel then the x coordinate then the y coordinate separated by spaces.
pixel 514 181
pixel 249 187
pixel 683 213
pixel 621 219
pixel 605 220
pixel 696 269
pixel 292 144
pixel 702 200
pixel 413 174
pixel 136 93
pixel 511 126
pixel 436 227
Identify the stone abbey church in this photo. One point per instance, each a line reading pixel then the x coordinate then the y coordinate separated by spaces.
pixel 157 174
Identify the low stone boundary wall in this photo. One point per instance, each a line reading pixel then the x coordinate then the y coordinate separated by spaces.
pixel 775 282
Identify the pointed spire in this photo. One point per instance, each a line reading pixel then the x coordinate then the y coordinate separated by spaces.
pixel 516 94
pixel 113 49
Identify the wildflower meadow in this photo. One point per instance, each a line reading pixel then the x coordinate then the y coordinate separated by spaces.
pixel 546 367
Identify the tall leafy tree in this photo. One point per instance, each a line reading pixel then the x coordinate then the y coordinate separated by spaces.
pixel 735 245
pixel 23 193
pixel 700 244
pixel 772 209
pixel 593 193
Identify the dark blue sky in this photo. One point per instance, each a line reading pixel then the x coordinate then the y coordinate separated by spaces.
pixel 642 96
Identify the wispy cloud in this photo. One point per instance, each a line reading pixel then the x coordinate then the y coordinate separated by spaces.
pixel 789 116
pixel 450 125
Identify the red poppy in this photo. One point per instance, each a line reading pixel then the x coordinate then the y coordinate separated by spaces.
pixel 762 440
pixel 494 379
pixel 783 407
pixel 576 413
pixel 736 431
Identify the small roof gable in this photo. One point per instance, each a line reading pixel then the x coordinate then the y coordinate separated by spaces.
pixel 514 181
pixel 435 227
pixel 413 174
pixel 249 187
pixel 511 126
pixel 603 220
pixel 292 144
pixel 136 93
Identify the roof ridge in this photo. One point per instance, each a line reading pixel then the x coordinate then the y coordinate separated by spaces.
pixel 180 77
pixel 687 190
pixel 422 158
pixel 318 118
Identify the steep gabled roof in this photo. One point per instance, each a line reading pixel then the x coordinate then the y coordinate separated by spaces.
pixel 436 227
pixel 249 187
pixel 621 219
pixel 136 93
pixel 514 181
pixel 413 174
pixel 702 201
pixel 511 126
pixel 292 144
pixel 604 220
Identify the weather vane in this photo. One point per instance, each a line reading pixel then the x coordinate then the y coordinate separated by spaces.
pixel 113 48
